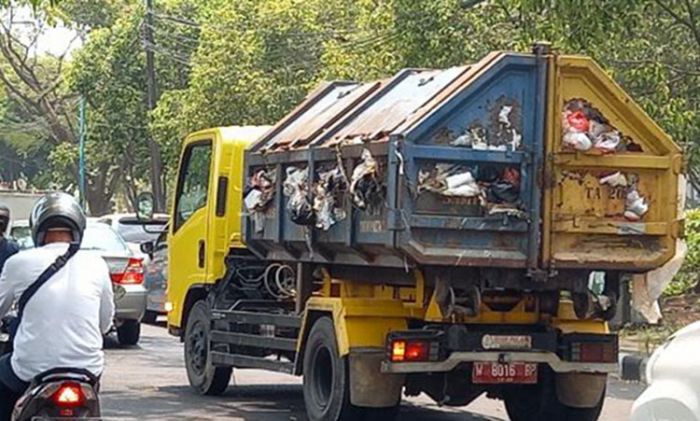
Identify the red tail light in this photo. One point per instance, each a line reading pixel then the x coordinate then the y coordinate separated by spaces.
pixel 594 352
pixel 410 351
pixel 133 274
pixel 69 395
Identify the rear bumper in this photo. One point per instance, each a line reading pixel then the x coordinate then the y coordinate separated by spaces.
pixel 130 302
pixel 156 301
pixel 457 358
pixel 453 346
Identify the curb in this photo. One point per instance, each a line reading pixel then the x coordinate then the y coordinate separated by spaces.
pixel 633 367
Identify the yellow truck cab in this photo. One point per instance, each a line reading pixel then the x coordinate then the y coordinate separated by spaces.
pixel 206 215
pixel 434 232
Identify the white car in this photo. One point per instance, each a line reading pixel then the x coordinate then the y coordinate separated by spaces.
pixel 134 232
pixel 673 375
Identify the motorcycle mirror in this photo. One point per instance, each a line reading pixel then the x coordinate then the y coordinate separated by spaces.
pixel 145 205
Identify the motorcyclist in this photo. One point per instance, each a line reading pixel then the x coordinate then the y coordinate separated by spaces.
pixel 7 246
pixel 64 321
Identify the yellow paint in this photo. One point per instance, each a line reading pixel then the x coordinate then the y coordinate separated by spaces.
pixel 359 322
pixel 518 315
pixel 583 224
pixel 568 323
pixel 218 233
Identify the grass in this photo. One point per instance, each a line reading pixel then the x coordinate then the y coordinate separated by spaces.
pixel 648 338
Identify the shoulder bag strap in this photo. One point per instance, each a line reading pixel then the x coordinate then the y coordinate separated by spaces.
pixel 59 263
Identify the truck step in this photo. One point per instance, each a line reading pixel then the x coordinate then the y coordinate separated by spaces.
pixel 257 341
pixel 244 361
pixel 255 318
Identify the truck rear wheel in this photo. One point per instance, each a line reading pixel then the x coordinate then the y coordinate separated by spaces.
pixel 204 377
pixel 327 380
pixel 540 402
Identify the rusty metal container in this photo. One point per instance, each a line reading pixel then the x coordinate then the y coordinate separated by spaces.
pixel 616 208
pixel 525 161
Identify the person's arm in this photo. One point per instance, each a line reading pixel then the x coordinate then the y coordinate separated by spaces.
pixel 107 301
pixel 7 287
pixel 14 247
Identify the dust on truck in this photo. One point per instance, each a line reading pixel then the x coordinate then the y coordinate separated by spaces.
pixel 433 232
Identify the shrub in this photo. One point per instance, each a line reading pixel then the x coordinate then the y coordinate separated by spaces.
pixel 687 278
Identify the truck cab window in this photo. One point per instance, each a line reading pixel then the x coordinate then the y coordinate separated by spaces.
pixel 194 182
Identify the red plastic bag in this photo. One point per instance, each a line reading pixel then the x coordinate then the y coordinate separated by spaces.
pixel 512 176
pixel 578 121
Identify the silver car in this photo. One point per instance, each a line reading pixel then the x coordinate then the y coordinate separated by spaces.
pixel 156 276
pixel 125 269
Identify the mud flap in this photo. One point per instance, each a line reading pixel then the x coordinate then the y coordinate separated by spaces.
pixel 580 390
pixel 369 387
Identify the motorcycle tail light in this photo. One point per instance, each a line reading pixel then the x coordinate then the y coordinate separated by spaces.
pixel 69 395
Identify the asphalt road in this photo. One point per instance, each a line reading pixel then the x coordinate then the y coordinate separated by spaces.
pixel 148 382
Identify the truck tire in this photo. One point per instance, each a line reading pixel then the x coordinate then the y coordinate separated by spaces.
pixel 540 402
pixel 204 377
pixel 129 332
pixel 327 381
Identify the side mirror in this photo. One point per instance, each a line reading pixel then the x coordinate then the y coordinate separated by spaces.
pixel 145 204
pixel 147 248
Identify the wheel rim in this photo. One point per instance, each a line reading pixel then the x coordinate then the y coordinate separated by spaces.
pixel 322 377
pixel 198 348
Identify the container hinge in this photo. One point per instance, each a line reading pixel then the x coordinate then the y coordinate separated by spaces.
pixel 396 220
pixel 538 275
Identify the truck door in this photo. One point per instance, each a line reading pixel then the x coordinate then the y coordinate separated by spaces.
pixel 188 231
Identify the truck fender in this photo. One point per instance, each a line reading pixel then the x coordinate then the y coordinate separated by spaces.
pixel 580 390
pixel 194 294
pixel 364 348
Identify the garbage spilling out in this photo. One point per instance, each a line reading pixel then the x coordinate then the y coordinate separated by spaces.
pixel 365 187
pixel 615 180
pixel 322 203
pixel 296 188
pixel 498 189
pixel 260 192
pixel 500 135
pixel 586 128
pixel 636 205
pixel 328 198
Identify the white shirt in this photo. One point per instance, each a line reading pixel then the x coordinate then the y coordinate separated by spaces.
pixel 63 322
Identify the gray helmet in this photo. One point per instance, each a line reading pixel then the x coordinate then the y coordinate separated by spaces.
pixel 4 218
pixel 56 210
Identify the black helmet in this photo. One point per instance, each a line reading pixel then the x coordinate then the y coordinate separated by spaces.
pixel 4 218
pixel 56 210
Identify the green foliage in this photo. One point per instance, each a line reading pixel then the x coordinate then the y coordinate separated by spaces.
pixel 689 275
pixel 242 62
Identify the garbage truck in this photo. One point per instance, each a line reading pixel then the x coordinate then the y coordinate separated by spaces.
pixel 434 232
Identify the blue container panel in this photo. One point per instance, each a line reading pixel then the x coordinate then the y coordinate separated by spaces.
pixel 488 126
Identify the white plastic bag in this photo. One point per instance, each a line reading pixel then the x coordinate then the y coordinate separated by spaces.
pixel 578 140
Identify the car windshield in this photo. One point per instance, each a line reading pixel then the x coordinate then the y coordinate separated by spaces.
pixel 133 232
pixel 102 237
pixel 23 236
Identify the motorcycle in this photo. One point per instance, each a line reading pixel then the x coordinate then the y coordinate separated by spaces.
pixel 59 393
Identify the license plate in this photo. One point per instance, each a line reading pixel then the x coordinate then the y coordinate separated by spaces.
pixel 497 373
pixel 506 342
